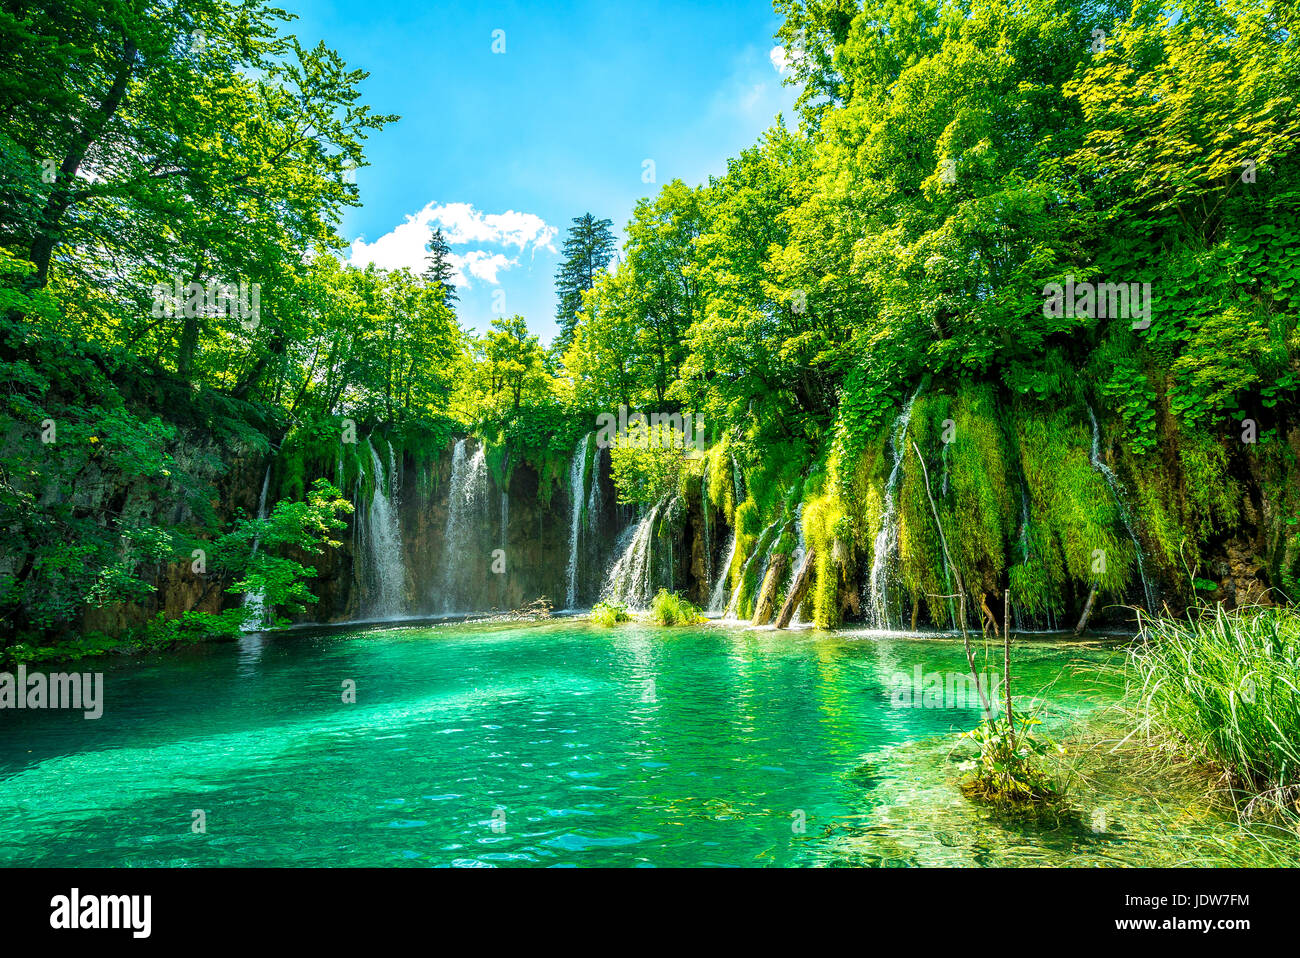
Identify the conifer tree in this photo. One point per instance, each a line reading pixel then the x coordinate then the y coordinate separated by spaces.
pixel 587 253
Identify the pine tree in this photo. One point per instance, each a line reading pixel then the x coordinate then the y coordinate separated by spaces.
pixel 440 269
pixel 587 253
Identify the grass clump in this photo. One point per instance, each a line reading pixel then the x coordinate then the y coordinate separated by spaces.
pixel 668 608
pixel 610 614
pixel 1226 686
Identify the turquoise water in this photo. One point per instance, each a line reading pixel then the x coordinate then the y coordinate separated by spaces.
pixel 551 744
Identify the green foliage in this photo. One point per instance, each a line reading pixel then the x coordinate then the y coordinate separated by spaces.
pixel 1129 392
pixel 647 462
pixel 303 525
pixel 1226 686
pixel 609 614
pixel 1009 772
pixel 721 491
pixel 955 157
pixel 668 608
pixel 587 252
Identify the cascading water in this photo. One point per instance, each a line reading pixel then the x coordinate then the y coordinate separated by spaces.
pixel 1116 490
pixel 886 544
pixel 467 503
pixel 505 535
pixel 577 490
pixel 718 597
pixel 256 601
pixel 629 580
pixel 595 506
pixel 381 539
pixel 796 560
pixel 708 538
pixel 762 549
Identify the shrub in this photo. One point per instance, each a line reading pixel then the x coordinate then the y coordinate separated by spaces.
pixel 668 608
pixel 1009 772
pixel 609 614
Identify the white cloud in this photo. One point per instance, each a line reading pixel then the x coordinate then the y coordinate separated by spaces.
pixel 464 224
pixel 405 245
pixel 783 60
pixel 480 264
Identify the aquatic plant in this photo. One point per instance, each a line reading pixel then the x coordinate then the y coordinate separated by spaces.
pixel 668 608
pixel 609 614
pixel 1009 770
pixel 1225 686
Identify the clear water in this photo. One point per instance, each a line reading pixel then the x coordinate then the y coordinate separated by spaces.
pixel 552 744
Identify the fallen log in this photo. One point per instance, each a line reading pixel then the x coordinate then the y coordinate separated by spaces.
pixel 1087 613
pixel 798 590
pixel 763 608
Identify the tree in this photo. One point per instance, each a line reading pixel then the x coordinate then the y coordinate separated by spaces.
pixel 514 364
pixel 440 269
pixel 201 147
pixel 587 253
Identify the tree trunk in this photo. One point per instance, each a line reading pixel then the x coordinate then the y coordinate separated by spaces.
pixel 798 590
pixel 988 615
pixel 1087 613
pixel 50 223
pixel 189 343
pixel 763 608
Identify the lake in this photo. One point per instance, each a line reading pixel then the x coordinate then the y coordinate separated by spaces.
pixel 563 744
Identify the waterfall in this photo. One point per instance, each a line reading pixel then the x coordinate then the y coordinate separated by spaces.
pixel 577 489
pixel 385 593
pixel 256 601
pixel 595 502
pixel 466 512
pixel 708 539
pixel 720 587
pixel 796 560
pixel 629 579
pixel 505 530
pixel 886 543
pixel 1024 541
pixel 734 602
pixel 1116 490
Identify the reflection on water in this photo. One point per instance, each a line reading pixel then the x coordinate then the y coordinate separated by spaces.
pixel 563 744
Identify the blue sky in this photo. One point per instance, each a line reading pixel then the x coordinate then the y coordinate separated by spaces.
pixel 504 149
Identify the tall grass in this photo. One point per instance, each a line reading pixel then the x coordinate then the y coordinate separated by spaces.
pixel 668 608
pixel 1227 686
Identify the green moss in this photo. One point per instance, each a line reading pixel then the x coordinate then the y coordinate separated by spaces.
pixel 722 484
pixel 1074 505
pixel 981 498
pixel 1212 494
pixel 920 552
pixel 823 516
pixel 1157 499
